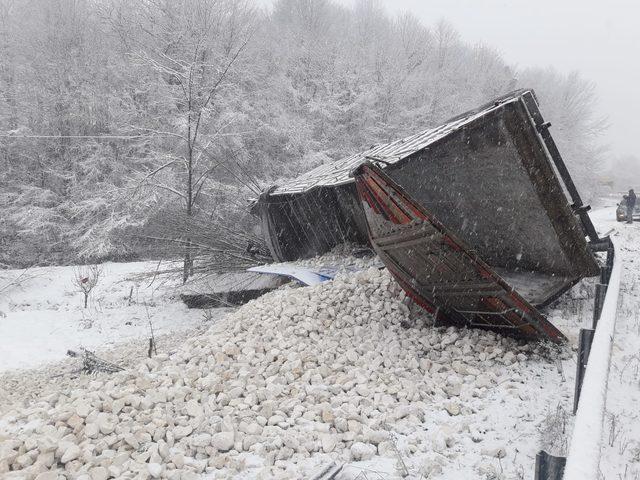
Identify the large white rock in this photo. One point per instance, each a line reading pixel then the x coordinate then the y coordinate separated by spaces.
pixel 83 409
pixel 374 436
pixel 48 443
pixel 178 460
pixel 92 430
pixel 223 441
pixel 46 459
pixel 75 421
pixel 155 470
pixel 47 476
pixel 386 449
pixel 452 408
pixel 71 453
pixel 194 409
pixel 201 440
pixel 328 442
pixel 363 390
pixel 99 473
pixel 182 431
pixel 117 406
pixel 132 441
pixel 483 381
pixel 23 461
pixel 362 451
pixel 106 424
pixel 251 428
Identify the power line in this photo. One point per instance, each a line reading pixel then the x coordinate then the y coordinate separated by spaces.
pixel 85 136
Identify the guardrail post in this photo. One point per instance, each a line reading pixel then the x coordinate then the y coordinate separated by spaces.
pixel 604 274
pixel 601 292
pixel 549 467
pixel 584 348
pixel 610 255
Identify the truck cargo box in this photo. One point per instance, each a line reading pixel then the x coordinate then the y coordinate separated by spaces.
pixel 493 177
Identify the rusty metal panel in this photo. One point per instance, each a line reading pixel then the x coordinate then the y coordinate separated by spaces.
pixel 436 269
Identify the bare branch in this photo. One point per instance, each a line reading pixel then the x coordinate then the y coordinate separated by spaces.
pixel 170 189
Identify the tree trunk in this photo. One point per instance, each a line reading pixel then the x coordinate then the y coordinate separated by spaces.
pixel 187 268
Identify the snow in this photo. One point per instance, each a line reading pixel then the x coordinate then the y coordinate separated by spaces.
pixel 43 316
pixel 300 378
pixel 621 431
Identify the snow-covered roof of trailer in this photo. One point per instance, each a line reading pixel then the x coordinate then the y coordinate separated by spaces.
pixel 337 172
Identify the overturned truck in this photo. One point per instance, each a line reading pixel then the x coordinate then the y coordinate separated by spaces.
pixel 478 219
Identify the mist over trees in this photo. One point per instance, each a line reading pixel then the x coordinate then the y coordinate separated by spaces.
pixel 624 172
pixel 127 123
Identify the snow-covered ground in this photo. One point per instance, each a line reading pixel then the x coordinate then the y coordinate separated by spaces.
pixel 302 377
pixel 42 314
pixel 621 445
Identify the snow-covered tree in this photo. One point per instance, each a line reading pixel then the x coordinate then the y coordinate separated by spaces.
pixel 130 123
pixel 569 102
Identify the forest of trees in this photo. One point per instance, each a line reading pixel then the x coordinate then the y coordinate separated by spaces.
pixel 124 123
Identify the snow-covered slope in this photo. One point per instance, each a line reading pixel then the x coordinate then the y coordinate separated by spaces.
pixel 305 376
pixel 43 315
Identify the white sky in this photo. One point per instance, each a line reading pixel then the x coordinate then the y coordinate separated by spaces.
pixel 599 38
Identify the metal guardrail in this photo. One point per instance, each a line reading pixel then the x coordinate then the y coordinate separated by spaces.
pixel 592 372
pixel 593 364
pixel 584 450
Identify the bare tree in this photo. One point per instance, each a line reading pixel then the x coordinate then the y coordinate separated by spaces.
pixel 85 280
pixel 123 121
pixel 569 103
pixel 193 48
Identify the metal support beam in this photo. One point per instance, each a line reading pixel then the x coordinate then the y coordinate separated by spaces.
pixel 600 246
pixel 543 129
pixel 329 472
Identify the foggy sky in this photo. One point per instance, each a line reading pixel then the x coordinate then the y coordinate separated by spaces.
pixel 599 38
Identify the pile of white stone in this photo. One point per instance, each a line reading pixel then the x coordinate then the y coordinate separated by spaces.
pixel 334 370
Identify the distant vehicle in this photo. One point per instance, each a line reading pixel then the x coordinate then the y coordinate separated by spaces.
pixel 621 211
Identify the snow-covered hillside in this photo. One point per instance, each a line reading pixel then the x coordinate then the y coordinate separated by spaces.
pixel 302 377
